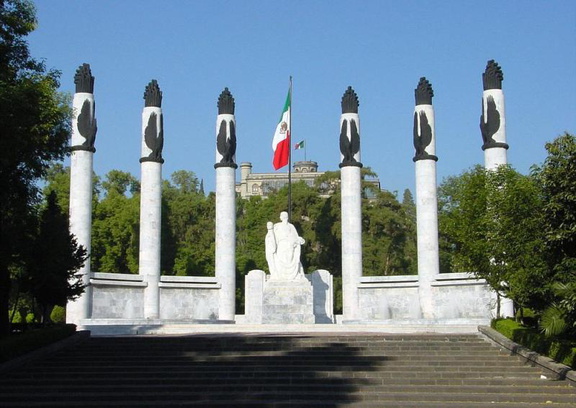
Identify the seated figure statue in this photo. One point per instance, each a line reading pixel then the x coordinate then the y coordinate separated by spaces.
pixel 283 250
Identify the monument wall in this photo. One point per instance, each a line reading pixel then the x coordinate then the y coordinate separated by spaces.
pixel 389 297
pixel 454 296
pixel 117 299
pixel 461 296
pixel 184 298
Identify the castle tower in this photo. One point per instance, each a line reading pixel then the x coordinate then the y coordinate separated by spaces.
pixel 426 199
pixel 81 164
pixel 245 171
pixel 226 204
pixel 151 198
pixel 351 180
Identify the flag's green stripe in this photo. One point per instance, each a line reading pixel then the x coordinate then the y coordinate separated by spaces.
pixel 286 106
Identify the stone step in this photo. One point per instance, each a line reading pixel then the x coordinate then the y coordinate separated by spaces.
pixel 274 371
pixel 106 348
pixel 452 377
pixel 340 352
pixel 271 364
pixel 320 349
pixel 112 327
pixel 104 387
pixel 244 396
pixel 324 349
pixel 298 404
pixel 349 337
pixel 293 345
pixel 303 337
pixel 258 361
pixel 363 340
pixel 202 380
pixel 199 378
pixel 336 352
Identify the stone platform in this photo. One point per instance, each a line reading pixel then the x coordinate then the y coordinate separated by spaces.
pixel 122 327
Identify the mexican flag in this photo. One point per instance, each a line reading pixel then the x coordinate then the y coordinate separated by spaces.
pixel 299 145
pixel 281 141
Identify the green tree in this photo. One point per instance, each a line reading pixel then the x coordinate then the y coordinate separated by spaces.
pixel 189 216
pixel 116 225
pixel 462 208
pixel 514 238
pixel 388 229
pixel 34 121
pixel 58 180
pixel 409 205
pixel 252 215
pixel 385 237
pixel 492 221
pixel 186 182
pixel 557 177
pixel 56 260
pixel 411 250
pixel 120 182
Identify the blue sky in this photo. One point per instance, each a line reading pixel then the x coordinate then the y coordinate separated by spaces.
pixel 380 48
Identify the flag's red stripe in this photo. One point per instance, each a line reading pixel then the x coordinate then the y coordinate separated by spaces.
pixel 281 153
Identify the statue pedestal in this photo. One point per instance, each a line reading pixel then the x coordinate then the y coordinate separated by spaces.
pixel 305 301
pixel 288 302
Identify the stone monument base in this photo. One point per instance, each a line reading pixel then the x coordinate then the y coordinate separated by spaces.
pixel 305 301
pixel 288 302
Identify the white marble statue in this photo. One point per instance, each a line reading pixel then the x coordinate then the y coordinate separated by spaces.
pixel 283 250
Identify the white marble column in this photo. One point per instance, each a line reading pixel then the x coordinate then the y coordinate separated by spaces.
pixel 351 240
pixel 351 206
pixel 81 163
pixel 493 119
pixel 426 197
pixel 151 198
pixel 493 129
pixel 226 205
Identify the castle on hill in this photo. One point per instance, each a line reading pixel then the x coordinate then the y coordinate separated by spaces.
pixel 263 184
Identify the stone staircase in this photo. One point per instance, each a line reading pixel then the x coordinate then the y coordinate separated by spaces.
pixel 306 370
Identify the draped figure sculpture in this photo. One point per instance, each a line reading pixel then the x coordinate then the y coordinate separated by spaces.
pixel 283 250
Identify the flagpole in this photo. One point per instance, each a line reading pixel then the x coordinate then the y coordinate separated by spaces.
pixel 290 157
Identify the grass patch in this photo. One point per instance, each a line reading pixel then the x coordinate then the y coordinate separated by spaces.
pixel 21 343
pixel 560 350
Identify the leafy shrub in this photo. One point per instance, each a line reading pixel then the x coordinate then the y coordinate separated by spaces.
pixel 58 315
pixel 30 318
pixel 560 350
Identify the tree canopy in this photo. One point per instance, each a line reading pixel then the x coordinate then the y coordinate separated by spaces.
pixel 518 231
pixel 35 126
pixel 56 259
pixel 557 177
pixel 492 222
